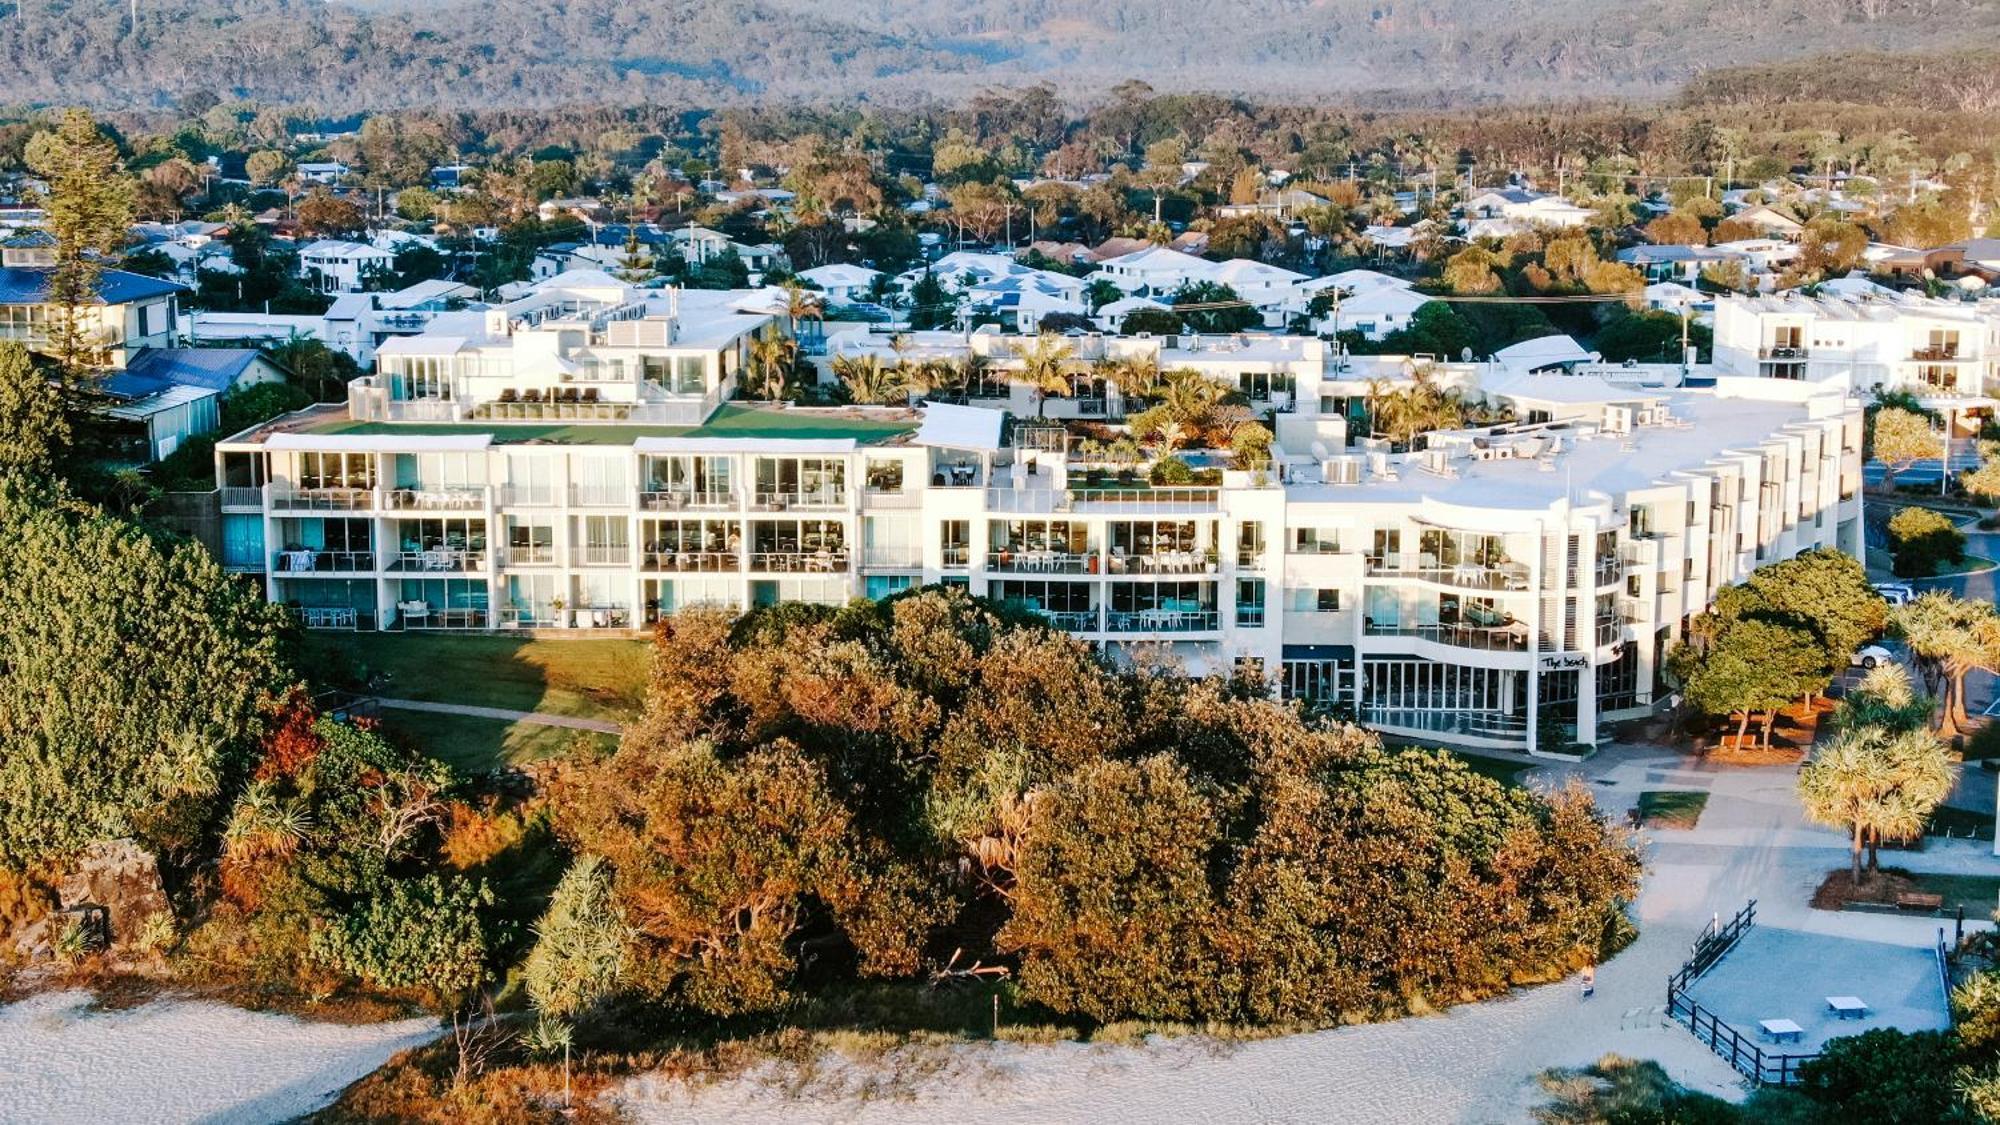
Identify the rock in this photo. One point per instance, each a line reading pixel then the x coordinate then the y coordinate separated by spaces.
pixel 123 879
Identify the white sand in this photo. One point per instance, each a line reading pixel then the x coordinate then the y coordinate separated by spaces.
pixel 180 1060
pixel 1474 1064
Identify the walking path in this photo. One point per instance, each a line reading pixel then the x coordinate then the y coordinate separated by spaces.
pixel 1472 1064
pixel 541 718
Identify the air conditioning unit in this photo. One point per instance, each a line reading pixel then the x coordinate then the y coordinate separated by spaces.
pixel 1342 470
pixel 1617 419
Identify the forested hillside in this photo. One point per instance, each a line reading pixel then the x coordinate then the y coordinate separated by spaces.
pixel 345 55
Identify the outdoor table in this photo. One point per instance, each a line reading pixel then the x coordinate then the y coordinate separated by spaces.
pixel 1781 1030
pixel 1847 1007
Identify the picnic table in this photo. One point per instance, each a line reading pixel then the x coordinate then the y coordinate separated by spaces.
pixel 1781 1030
pixel 1847 1007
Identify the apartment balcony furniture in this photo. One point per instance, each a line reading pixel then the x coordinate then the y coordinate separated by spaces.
pixel 413 613
pixel 322 499
pixel 807 562
pixel 329 617
pixel 1941 354
pixel 955 476
pixel 1163 620
pixel 1782 351
pixel 438 560
pixel 309 560
pixel 435 499
pixel 955 558
pixel 1073 621
pixel 787 500
pixel 680 500
pixel 691 562
pixel 1040 562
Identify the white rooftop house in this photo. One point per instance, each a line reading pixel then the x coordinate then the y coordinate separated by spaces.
pixel 1499 212
pixel 1945 351
pixel 333 265
pixel 581 346
pixel 1153 272
pixel 843 284
pixel 1374 304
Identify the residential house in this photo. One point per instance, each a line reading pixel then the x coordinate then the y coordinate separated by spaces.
pixel 336 265
pixel 164 396
pixel 843 283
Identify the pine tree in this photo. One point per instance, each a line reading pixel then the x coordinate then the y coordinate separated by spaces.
pixel 89 209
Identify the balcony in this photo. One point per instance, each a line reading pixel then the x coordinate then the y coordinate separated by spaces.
pixel 600 496
pixel 601 554
pixel 1162 621
pixel 333 617
pixel 322 499
pixel 1163 562
pixel 308 560
pixel 1041 562
pixel 437 560
pixel 1482 638
pixel 1609 631
pixel 781 501
pixel 1153 499
pixel 540 554
pixel 808 562
pixel 1072 620
pixel 683 500
pixel 528 495
pixel 1250 560
pixel 238 497
pixel 955 558
pixel 1505 575
pixel 691 562
pixel 461 499
pixel 1609 569
pixel 1782 352
pixel 1947 353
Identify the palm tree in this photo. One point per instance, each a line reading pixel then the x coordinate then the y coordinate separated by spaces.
pixel 772 359
pixel 1950 637
pixel 1874 783
pixel 868 380
pixel 1135 376
pixel 802 304
pixel 1045 366
pixel 1402 413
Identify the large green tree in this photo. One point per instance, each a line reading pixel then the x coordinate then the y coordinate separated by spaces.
pixel 135 672
pixel 89 206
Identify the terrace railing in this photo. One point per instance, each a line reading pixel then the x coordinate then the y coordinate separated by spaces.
pixel 1767 1068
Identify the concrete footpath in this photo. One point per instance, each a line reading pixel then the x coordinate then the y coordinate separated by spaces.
pixel 603 726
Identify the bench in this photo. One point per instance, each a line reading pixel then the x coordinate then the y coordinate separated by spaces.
pixel 1919 900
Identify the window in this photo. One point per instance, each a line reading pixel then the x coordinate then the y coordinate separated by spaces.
pixel 1326 601
pixel 1250 602
pixel 885 475
pixel 1316 540
pixel 955 541
pixel 879 586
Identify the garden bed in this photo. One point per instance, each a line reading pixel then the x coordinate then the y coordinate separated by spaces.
pixel 1671 808
pixel 1878 891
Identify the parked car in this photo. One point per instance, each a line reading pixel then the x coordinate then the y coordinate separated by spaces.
pixel 1868 656
pixel 1896 593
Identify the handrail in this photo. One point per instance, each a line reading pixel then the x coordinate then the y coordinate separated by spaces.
pixel 1746 1056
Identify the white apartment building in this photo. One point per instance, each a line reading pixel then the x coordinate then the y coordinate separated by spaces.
pixel 1512 585
pixel 333 265
pixel 1947 352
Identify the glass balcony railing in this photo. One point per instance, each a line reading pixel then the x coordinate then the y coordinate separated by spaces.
pixel 1494 638
pixel 1162 621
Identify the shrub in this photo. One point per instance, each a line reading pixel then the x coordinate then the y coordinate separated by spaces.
pixel 1920 540
pixel 1887 1077
pixel 1171 470
pixel 424 934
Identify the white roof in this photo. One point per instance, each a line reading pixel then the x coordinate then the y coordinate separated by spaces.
pixel 1570 390
pixel 341 248
pixel 1545 351
pixel 1354 281
pixel 1124 305
pixel 427 290
pixel 839 273
pixel 1384 299
pixel 381 443
pixel 960 427
pixel 1161 258
pixel 1243 269
pixel 425 344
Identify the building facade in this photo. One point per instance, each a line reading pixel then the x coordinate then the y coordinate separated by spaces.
pixel 1510 585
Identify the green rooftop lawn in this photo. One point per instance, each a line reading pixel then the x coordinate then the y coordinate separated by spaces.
pixel 596 678
pixel 730 421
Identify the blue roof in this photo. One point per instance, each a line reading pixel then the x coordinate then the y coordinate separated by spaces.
pixel 214 368
pixel 29 285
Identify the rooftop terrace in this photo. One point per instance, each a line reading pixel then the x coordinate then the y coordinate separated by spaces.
pixel 732 420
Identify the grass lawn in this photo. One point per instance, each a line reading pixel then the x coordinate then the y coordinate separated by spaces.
pixel 474 745
pixel 592 677
pixel 1669 808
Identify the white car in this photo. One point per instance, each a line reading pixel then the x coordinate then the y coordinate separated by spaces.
pixel 1896 593
pixel 1868 656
